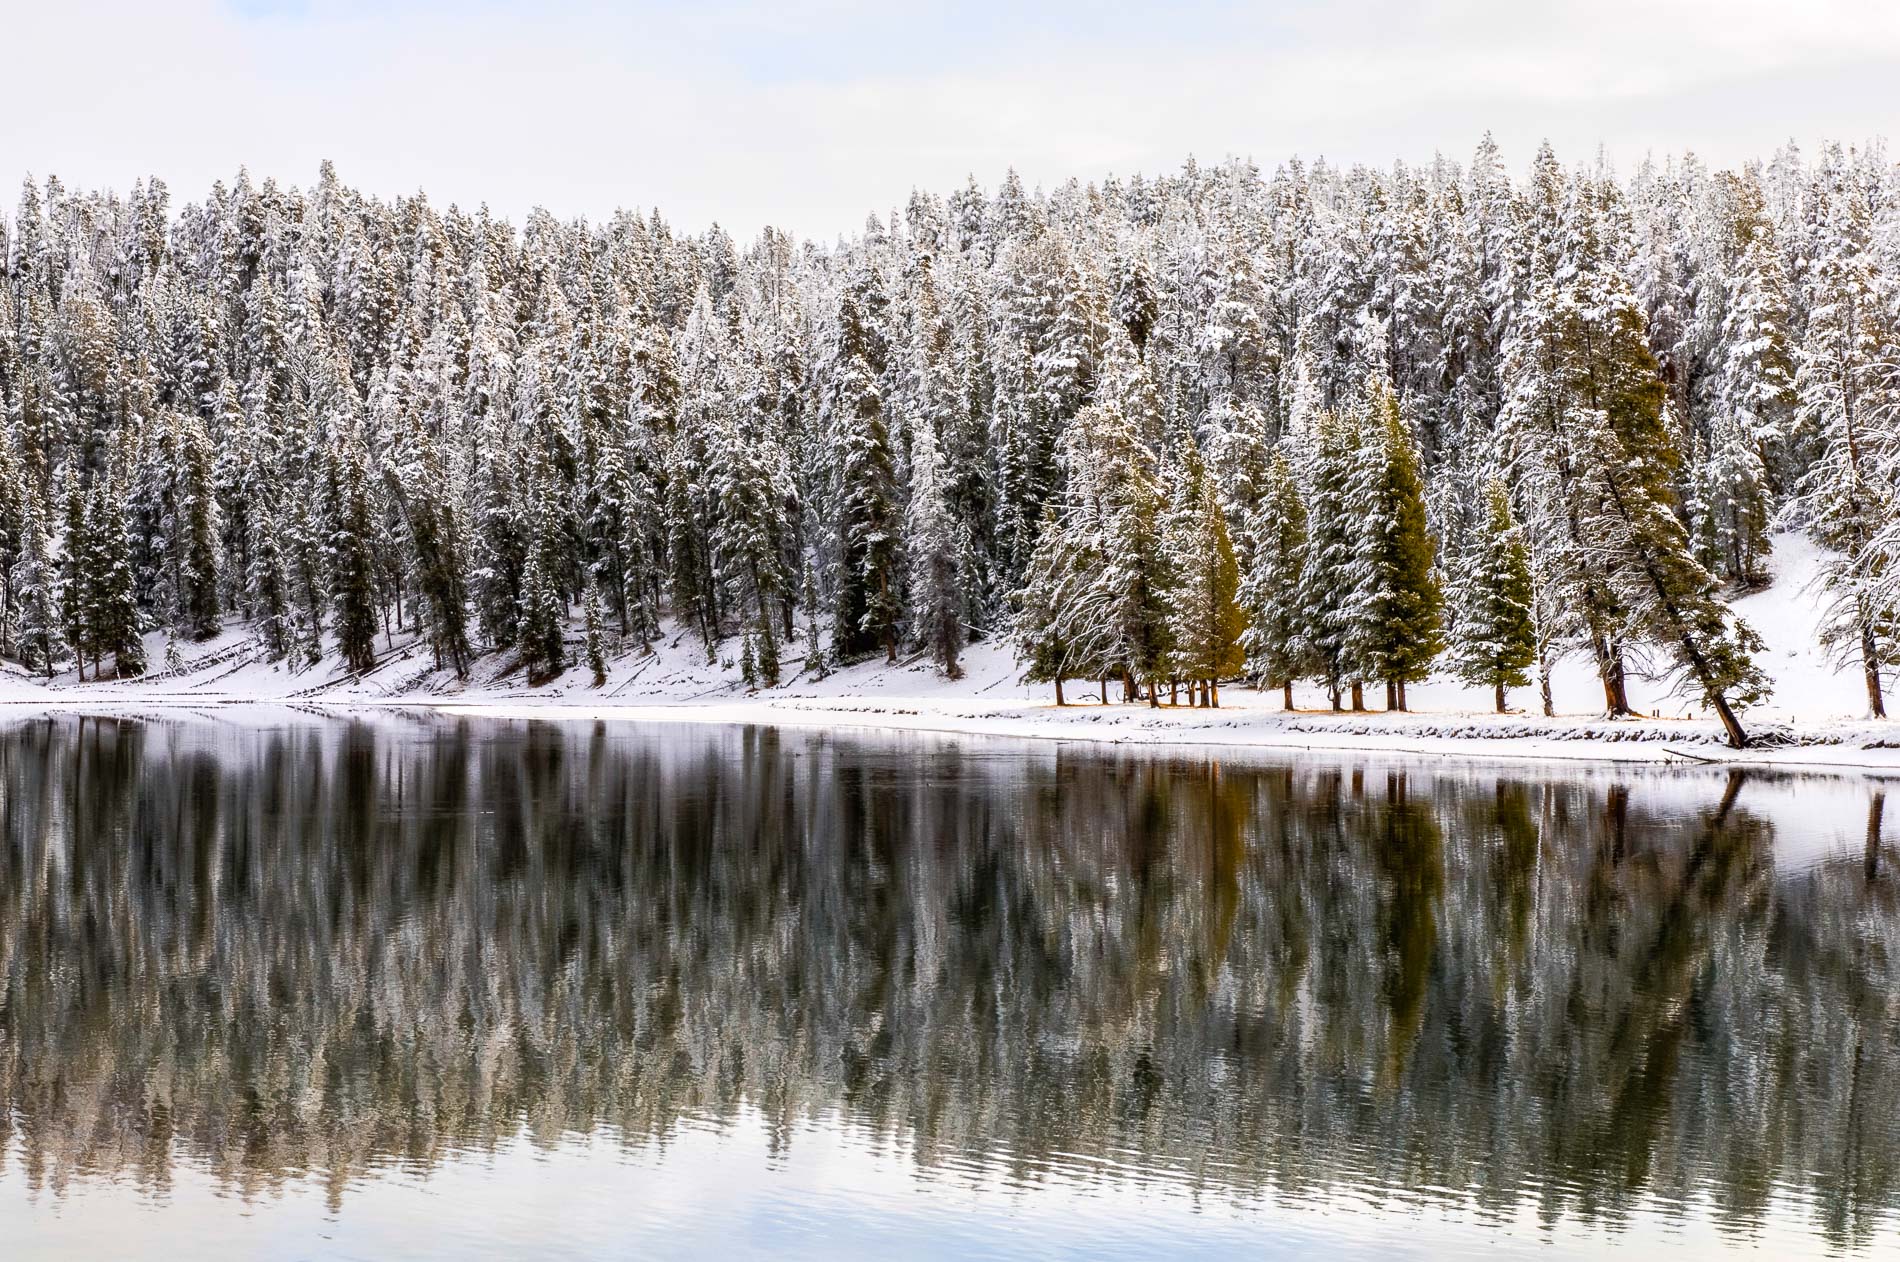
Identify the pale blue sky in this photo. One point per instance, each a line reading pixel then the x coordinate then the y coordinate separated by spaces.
pixel 809 115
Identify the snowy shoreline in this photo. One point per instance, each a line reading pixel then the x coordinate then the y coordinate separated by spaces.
pixel 988 702
pixel 1870 748
pixel 1814 721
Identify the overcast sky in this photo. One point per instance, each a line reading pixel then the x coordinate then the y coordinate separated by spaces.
pixel 809 115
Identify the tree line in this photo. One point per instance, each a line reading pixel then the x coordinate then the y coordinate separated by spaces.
pixel 1334 424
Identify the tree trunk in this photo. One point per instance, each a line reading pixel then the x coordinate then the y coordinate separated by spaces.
pixel 1334 690
pixel 1059 700
pixel 1737 738
pixel 1403 703
pixel 1358 698
pixel 1104 689
pixel 1174 690
pixel 1870 666
pixel 1616 697
pixel 1619 683
pixel 1286 696
pixel 1391 694
pixel 1500 696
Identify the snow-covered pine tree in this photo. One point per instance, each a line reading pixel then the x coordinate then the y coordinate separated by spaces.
pixel 501 542
pixel 35 585
pixel 1493 640
pixel 1275 639
pixel 75 583
pixel 542 623
pixel 14 497
pixel 195 541
pixel 1055 638
pixel 1849 407
pixel 1395 625
pixel 1111 509
pixel 1615 432
pixel 935 552
pixel 1328 585
pixel 751 526
pixel 418 485
pixel 1753 395
pixel 267 591
pixel 349 561
pixel 868 604
pixel 593 640
pixel 1541 414
pixel 1204 620
pixel 111 617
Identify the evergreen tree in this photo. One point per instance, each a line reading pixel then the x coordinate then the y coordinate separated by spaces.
pixel 502 548
pixel 1055 639
pixel 111 615
pixel 1493 639
pixel 1848 403
pixel 1753 391
pixel 596 649
pixel 1394 625
pixel 267 587
pixel 1275 640
pixel 35 585
pixel 418 484
pixel 1328 584
pixel 935 554
pixel 349 560
pixel 75 584
pixel 869 602
pixel 1205 621
pixel 195 547
pixel 543 615
pixel 14 508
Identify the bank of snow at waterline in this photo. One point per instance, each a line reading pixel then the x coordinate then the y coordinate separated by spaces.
pixel 1816 715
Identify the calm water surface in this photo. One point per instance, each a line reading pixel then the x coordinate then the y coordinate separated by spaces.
pixel 304 986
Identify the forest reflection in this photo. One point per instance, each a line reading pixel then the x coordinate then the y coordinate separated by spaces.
pixel 320 948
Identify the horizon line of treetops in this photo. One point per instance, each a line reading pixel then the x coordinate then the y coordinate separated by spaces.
pixel 1338 424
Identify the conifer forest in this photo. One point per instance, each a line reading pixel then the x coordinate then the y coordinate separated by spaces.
pixel 1345 426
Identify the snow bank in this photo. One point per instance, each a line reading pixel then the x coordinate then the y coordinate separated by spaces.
pixel 1812 720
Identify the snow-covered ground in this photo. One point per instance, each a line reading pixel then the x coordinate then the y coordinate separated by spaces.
pixel 1817 715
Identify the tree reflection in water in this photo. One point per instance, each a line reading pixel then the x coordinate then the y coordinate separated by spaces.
pixel 318 948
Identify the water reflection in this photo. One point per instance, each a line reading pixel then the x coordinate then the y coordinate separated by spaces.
pixel 325 948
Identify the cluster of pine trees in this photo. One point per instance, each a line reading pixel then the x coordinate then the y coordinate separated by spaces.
pixel 1346 425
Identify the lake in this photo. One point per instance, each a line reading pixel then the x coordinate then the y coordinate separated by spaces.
pixel 302 985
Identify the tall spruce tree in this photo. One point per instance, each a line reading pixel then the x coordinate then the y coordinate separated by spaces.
pixel 112 613
pixel 35 583
pixel 195 546
pixel 1328 586
pixel 348 558
pixel 1493 639
pixel 936 553
pixel 869 601
pixel 1849 401
pixel 1205 621
pixel 542 621
pixel 1394 624
pixel 1275 640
